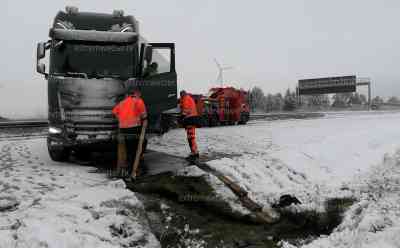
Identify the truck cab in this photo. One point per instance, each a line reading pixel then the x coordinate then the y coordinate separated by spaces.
pixel 94 60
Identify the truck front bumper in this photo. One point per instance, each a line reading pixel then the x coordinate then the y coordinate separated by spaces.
pixel 78 142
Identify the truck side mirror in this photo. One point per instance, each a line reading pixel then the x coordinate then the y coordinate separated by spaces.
pixel 41 50
pixel 149 54
pixel 40 54
pixel 41 68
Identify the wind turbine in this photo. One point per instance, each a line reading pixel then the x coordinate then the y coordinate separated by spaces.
pixel 221 70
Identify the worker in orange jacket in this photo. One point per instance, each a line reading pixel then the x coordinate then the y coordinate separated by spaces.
pixel 189 120
pixel 132 116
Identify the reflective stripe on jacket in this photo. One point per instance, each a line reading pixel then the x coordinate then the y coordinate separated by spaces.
pixel 188 106
pixel 130 112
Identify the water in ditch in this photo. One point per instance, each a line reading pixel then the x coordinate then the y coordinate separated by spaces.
pixel 178 223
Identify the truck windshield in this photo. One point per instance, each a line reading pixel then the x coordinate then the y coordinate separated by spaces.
pixel 94 59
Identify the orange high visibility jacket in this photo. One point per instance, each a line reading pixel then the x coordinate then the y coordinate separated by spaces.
pixel 130 112
pixel 188 106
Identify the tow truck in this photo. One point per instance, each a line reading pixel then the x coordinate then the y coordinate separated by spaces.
pixel 223 106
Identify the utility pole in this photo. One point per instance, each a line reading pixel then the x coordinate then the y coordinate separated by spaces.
pixel 367 82
pixel 298 96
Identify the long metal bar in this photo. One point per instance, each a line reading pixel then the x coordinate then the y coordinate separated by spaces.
pixel 20 124
pixel 44 123
pixel 369 96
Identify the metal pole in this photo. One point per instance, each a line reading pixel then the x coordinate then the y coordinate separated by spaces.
pixel 369 95
pixel 367 82
pixel 297 96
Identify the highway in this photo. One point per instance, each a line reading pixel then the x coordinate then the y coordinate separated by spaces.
pixel 269 116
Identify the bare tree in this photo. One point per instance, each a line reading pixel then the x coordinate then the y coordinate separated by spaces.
pixel 289 101
pixel 377 101
pixel 394 100
pixel 257 99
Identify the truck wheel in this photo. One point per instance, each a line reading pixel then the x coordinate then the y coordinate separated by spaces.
pixel 243 119
pixel 214 121
pixel 82 154
pixel 58 154
pixel 202 121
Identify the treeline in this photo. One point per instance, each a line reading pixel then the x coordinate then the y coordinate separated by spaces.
pixel 272 102
pixel 259 101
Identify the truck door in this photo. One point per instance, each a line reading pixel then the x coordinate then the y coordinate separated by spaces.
pixel 158 81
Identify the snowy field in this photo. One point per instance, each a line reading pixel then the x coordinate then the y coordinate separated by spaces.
pixel 48 204
pixel 341 155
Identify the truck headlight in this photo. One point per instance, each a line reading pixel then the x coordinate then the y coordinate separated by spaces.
pixel 54 130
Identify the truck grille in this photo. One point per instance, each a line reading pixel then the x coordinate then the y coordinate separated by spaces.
pixel 90 122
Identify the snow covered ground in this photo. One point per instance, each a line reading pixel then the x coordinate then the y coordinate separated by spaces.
pixel 375 220
pixel 46 204
pixel 314 159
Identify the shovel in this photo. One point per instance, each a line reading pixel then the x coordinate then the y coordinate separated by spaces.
pixel 135 167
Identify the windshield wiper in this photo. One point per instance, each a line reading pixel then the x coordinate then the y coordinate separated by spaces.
pixel 78 74
pixel 108 76
pixel 85 75
pixel 71 74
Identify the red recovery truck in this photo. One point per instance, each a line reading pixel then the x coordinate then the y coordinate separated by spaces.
pixel 223 106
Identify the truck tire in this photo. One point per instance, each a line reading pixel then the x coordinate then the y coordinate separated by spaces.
pixel 59 154
pixel 214 121
pixel 204 121
pixel 244 118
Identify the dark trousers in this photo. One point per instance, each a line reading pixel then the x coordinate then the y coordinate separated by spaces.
pixel 132 136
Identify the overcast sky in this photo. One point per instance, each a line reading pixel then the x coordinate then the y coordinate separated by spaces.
pixel 269 43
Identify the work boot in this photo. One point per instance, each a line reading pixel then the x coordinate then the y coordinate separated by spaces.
pixel 193 157
pixel 142 170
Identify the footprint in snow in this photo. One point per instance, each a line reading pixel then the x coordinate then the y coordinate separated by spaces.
pixel 42 184
pixel 16 180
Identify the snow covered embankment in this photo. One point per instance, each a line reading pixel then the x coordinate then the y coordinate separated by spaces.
pixel 315 160
pixel 375 220
pixel 47 204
